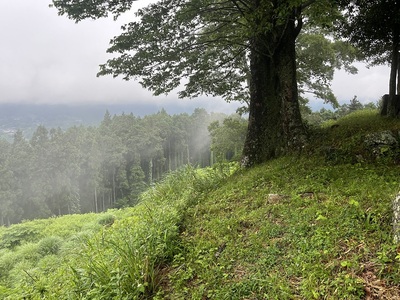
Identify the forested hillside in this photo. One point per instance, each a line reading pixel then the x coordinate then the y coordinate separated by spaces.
pixel 313 225
pixel 27 117
pixel 90 169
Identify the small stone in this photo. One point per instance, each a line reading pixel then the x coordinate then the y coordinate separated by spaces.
pixel 275 198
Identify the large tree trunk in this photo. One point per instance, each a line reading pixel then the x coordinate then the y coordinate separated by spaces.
pixel 275 124
pixel 398 75
pixel 393 106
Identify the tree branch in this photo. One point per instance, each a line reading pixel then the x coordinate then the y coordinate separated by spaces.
pixel 307 4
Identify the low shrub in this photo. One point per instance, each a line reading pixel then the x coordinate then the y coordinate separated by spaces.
pixel 49 245
pixel 106 220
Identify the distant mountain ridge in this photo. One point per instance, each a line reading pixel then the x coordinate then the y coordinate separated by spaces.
pixel 27 117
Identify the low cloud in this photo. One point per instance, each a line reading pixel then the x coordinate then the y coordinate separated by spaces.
pixel 368 85
pixel 46 58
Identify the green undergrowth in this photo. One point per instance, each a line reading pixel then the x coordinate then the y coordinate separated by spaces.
pixel 291 229
pixel 298 227
pixel 345 140
pixel 121 254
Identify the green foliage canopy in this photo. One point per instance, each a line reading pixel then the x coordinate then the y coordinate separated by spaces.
pixel 374 27
pixel 205 45
pixel 92 169
pixel 227 139
pixel 242 50
pixel 318 56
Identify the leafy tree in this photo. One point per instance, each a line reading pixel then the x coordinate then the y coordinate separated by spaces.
pixel 227 139
pixel 112 151
pixel 7 199
pixel 198 138
pixel 129 177
pixel 355 104
pixel 150 147
pixel 9 212
pixel 132 180
pixel 319 117
pixel 159 125
pixel 371 105
pixel 40 172
pixel 179 141
pixel 228 48
pixel 318 56
pixel 61 170
pixel 20 165
pixel 374 27
pixel 82 169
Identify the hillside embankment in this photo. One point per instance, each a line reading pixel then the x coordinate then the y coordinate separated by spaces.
pixel 315 225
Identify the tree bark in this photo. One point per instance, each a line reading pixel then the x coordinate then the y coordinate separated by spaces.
pixel 275 124
pixel 393 106
pixel 398 74
pixel 385 101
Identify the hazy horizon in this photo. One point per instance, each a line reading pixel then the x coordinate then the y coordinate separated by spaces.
pixel 48 59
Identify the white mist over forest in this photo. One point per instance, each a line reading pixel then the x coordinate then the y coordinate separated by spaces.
pixel 93 168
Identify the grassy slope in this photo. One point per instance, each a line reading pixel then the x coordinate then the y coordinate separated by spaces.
pixel 328 236
pixel 316 226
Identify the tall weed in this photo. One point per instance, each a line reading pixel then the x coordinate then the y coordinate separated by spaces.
pixel 126 258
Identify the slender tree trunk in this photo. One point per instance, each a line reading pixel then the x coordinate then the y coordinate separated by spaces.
pixel 176 158
pixel 169 156
pixel 275 124
pixel 181 158
pixel 392 105
pixel 95 200
pixel 113 188
pixel 159 170
pixel 150 170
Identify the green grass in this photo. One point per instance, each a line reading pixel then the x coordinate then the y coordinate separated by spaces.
pixel 328 230
pixel 299 227
pixel 343 141
pixel 120 254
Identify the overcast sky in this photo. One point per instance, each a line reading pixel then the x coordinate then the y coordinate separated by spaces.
pixel 46 58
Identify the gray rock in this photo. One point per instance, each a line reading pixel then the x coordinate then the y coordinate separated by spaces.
pixel 381 138
pixel 396 219
pixel 381 142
